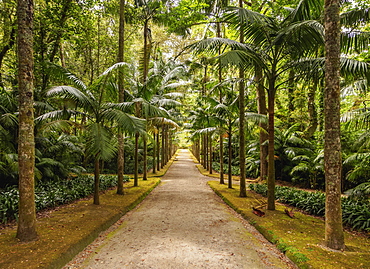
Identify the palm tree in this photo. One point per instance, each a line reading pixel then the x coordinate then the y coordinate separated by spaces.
pixel 334 236
pixel 97 116
pixel 272 45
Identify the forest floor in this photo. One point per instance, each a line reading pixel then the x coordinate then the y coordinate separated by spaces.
pixel 182 224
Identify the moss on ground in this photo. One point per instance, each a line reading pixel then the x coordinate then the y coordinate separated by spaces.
pixel 301 237
pixel 69 229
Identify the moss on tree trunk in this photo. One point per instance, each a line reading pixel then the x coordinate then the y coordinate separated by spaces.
pixel 26 230
pixel 334 236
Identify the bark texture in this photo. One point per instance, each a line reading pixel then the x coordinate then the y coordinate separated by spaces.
pixel 262 109
pixel 26 230
pixel 121 97
pixel 243 190
pixel 271 150
pixel 96 181
pixel 334 236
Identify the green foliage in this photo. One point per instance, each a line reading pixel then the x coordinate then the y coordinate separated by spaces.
pixel 53 193
pixel 355 213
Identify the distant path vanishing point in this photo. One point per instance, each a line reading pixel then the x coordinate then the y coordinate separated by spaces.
pixel 184 224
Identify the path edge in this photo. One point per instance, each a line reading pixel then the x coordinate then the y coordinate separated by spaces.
pixel 73 250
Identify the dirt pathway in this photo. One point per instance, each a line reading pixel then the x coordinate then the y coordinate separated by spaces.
pixel 183 224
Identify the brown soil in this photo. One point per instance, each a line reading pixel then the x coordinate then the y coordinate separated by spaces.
pixel 181 224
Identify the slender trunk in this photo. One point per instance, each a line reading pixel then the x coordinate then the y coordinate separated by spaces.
pixel 312 113
pixel 163 146
pixel 291 95
pixel 26 230
pixel 222 180
pixel 210 154
pixel 136 161
pixel 230 173
pixel 158 151
pixel 5 50
pixel 121 97
pixel 154 153
pixel 334 236
pixel 263 136
pixel 320 114
pixel 166 155
pixel 96 181
pixel 243 190
pixel 206 156
pixel 271 151
pixel 145 157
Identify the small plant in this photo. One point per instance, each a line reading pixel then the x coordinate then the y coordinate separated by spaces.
pixel 53 193
pixel 355 213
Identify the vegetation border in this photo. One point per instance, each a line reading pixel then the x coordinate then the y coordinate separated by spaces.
pixel 73 250
pixel 294 256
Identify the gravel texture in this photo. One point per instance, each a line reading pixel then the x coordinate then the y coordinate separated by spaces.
pixel 181 224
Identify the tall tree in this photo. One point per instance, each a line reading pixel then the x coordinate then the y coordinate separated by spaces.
pixel 26 148
pixel 243 190
pixel 334 236
pixel 121 95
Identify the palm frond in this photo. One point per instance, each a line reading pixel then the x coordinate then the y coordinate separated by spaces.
pixel 241 16
pixel 125 122
pixel 9 120
pixel 354 41
pixel 174 95
pixel 63 74
pixel 355 17
pixel 64 114
pixel 255 117
pixel 159 121
pixel 82 99
pixel 306 10
pixel 304 36
pixel 117 66
pixel 354 68
pixel 99 142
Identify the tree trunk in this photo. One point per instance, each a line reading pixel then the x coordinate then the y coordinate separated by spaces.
pixel 334 236
pixel 26 230
pixel 121 97
pixel 243 190
pixel 230 173
pixel 96 181
pixel 222 180
pixel 154 153
pixel 210 153
pixel 312 114
pixel 163 146
pixel 145 157
pixel 5 50
pixel 262 109
pixel 271 150
pixel 291 95
pixel 136 161
pixel 158 151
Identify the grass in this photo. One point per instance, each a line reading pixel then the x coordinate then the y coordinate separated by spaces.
pixel 300 238
pixel 69 229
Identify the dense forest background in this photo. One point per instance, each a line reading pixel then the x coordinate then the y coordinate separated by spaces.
pixel 174 80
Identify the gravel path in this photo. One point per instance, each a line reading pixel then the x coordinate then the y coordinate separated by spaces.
pixel 182 224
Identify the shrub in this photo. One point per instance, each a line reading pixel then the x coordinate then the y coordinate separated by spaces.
pixel 355 213
pixel 53 193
